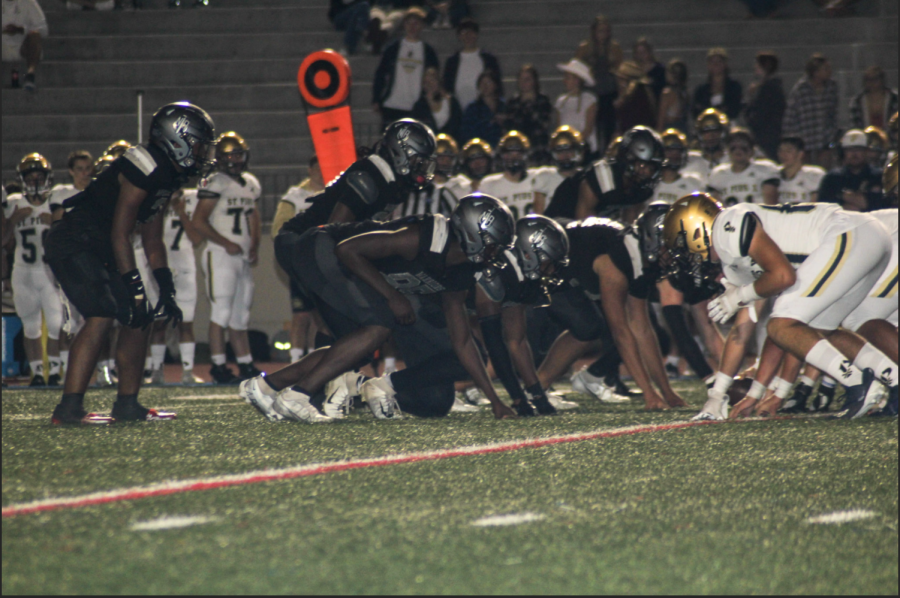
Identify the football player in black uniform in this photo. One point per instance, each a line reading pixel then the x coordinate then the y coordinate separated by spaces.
pixel 361 276
pixel 627 180
pixel 91 254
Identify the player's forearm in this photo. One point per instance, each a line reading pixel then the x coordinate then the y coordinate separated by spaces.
pixel 209 233
pixel 123 251
pixel 523 359
pixel 190 230
pixel 255 230
pixel 648 347
pixel 468 354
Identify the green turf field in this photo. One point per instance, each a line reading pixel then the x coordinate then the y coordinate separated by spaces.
pixel 713 509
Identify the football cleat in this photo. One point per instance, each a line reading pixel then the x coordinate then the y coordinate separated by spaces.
pixel 823 399
pixel 523 408
pixel 54 380
pixel 797 401
pixel 64 416
pixel 340 393
pixel 247 371
pixel 37 380
pixel 460 406
pixel 380 397
pixel 473 396
pixel 672 371
pixel 189 379
pixel 862 398
pixel 251 392
pixel 715 409
pixel 135 412
pixel 542 404
pixel 588 384
pixel 559 402
pixel 148 377
pixel 222 374
pixel 294 405
pixel 620 388
pixel 159 376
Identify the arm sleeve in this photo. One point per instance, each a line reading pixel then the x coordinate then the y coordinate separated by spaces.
pixel 492 330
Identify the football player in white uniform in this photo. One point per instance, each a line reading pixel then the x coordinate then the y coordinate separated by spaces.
pixel 228 218
pixel 476 160
pixel 296 201
pixel 446 188
pixel 841 255
pixel 711 129
pixel 799 183
pixel 567 150
pixel 674 184
pixel 744 179
pixel 29 214
pixel 514 185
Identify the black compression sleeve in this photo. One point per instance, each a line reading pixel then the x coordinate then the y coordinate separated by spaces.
pixel 690 350
pixel 492 331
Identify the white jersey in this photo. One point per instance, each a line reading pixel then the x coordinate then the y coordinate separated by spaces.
pixel 437 198
pixel 888 218
pixel 743 187
pixel 235 201
pixel 686 184
pixel 800 188
pixel 797 229
pixel 298 196
pixel 700 166
pixel 61 193
pixel 179 249
pixel 518 197
pixel 545 180
pixel 31 232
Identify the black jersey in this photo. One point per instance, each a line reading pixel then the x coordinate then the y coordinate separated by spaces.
pixel 565 198
pixel 147 167
pixel 428 272
pixel 593 237
pixel 605 180
pixel 369 188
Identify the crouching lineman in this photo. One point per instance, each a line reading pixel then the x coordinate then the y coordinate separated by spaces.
pixel 90 253
pixel 228 218
pixel 34 290
pixel 843 255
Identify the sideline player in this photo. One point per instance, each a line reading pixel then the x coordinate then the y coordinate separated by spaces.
pixel 476 160
pixel 228 218
pixel 556 186
pixel 29 214
pixel 673 183
pixel 91 255
pixel 711 129
pixel 744 179
pixel 514 185
pixel 799 182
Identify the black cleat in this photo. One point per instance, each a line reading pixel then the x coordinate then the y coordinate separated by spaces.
pixel 37 380
pixel 54 380
pixel 862 398
pixel 222 374
pixel 797 401
pixel 524 408
pixel 544 406
pixel 247 371
pixel 823 399
pixel 620 387
pixel 135 412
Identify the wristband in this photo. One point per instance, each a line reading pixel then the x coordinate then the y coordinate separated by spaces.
pixel 133 279
pixel 747 294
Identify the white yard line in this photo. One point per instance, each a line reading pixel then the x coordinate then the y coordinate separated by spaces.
pixel 168 522
pixel 839 517
pixel 504 520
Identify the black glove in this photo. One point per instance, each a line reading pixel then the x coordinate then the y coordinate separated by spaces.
pixel 137 313
pixel 167 308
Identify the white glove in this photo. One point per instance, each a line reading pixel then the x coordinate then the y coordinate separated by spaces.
pixel 715 409
pixel 723 307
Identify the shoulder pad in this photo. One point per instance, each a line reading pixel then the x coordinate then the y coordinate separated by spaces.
pixel 604 174
pixel 363 185
pixel 141 158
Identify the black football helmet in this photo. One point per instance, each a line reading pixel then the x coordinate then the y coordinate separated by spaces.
pixel 409 146
pixel 481 222
pixel 188 136
pixel 640 144
pixel 649 230
pixel 540 240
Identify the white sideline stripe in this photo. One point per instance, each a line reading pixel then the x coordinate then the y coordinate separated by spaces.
pixel 234 396
pixel 169 523
pixel 839 517
pixel 511 519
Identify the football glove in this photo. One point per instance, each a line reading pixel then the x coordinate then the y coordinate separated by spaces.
pixel 723 307
pixel 167 308
pixel 137 313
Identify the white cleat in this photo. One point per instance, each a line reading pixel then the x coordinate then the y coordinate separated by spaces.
pixel 252 393
pixel 189 379
pixel 715 409
pixel 473 396
pixel 560 403
pixel 460 406
pixel 380 397
pixel 295 406
pixel 339 394
pixel 588 384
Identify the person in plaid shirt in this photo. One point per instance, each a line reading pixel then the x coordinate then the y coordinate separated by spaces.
pixel 812 110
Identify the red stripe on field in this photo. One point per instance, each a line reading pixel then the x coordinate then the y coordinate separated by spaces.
pixel 309 470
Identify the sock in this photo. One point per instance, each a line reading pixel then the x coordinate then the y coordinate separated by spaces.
pixel 37 367
pixel 266 388
pixel 828 382
pixel 871 358
pixel 148 363
pixel 723 382
pixel 218 359
pixel 672 360
pixel 296 355
pixel 757 390
pixel 301 390
pixel 157 355
pixel 275 389
pixel 244 359
pixel 64 358
pixel 55 366
pixel 389 381
pixel 72 400
pixel 709 380
pixel 187 351
pixel 827 358
pixel 126 399
pixel 807 381
pixel 781 387
pixel 390 364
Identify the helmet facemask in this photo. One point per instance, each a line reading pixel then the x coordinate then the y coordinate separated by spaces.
pixel 36 182
pixel 566 156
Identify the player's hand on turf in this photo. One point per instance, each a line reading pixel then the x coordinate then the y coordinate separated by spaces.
pixel 167 308
pixel 743 409
pixel 138 309
pixel 233 249
pixel 768 407
pixel 674 400
pixel 654 402
pixel 402 309
pixel 501 411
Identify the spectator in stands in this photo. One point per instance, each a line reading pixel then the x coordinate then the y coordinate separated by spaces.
pixel 398 79
pixel 577 107
pixel 436 107
pixel 812 111
pixel 876 104
pixel 675 103
pixel 461 71
pixel 720 91
pixel 450 13
pixel 603 55
pixel 766 104
pixel 351 17
pixel 636 104
pixel 645 58
pixel 24 28
pixel 483 116
pixel 530 112
pixel 857 185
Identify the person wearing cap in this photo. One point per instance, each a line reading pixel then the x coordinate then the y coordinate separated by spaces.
pixel 720 91
pixel 636 104
pixel 577 107
pixel 812 108
pixel 856 186
pixel 461 70
pixel 398 79
pixel 877 102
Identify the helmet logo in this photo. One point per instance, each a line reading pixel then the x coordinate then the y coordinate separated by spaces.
pixel 403 134
pixel 181 124
pixel 486 220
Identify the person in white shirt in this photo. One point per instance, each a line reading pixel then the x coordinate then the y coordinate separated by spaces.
pixel 799 182
pixel 296 201
pixel 711 129
pixel 462 70
pixel 228 217
pixel 513 186
pixel 577 107
pixel 675 184
pixel 24 28
pixel 744 180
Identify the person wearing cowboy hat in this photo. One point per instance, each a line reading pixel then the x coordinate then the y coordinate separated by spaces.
pixel 577 107
pixel 636 104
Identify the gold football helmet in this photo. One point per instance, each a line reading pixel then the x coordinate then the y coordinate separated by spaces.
pixel 878 144
pixel 712 127
pixel 35 175
pixel 117 149
pixel 688 224
pixel 889 180
pixel 102 163
pixel 613 150
pixel 476 149
pixel 232 153
pixel 566 139
pixel 675 141
pixel 517 142
pixel 446 154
